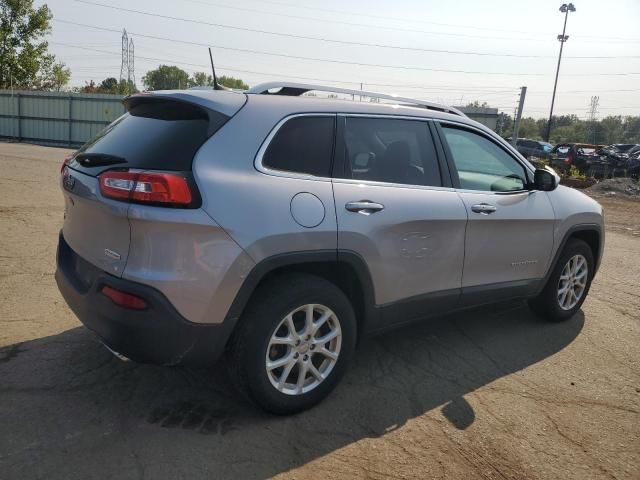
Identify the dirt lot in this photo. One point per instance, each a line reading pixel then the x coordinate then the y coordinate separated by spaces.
pixel 494 393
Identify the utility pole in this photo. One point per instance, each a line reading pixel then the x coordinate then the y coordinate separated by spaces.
pixel 564 8
pixel 516 122
pixel 593 113
pixel 124 65
pixel 131 72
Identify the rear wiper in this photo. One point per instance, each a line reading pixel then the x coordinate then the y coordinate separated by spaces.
pixel 98 159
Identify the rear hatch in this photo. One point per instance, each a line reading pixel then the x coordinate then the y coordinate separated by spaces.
pixel 149 148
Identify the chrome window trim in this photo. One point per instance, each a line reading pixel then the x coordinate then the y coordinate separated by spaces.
pixel 422 118
pixel 372 183
pixel 301 176
pixel 257 163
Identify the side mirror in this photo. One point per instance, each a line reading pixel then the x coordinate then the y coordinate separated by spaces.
pixel 545 179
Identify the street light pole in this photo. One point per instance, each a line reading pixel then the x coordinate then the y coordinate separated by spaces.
pixel 564 8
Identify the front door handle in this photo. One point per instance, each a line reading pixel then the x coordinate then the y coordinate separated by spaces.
pixel 483 208
pixel 365 207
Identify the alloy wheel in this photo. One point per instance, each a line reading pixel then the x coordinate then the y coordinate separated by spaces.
pixel 572 282
pixel 303 349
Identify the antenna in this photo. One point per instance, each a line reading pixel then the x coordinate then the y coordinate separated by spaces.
pixel 216 85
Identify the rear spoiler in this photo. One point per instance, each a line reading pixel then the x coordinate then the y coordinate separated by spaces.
pixel 218 106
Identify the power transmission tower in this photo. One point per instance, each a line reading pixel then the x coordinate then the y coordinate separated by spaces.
pixel 593 113
pixel 131 76
pixel 124 66
pixel 516 121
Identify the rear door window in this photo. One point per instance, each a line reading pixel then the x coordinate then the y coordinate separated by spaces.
pixel 303 145
pixel 390 150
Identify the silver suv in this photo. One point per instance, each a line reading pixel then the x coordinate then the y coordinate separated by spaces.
pixel 279 228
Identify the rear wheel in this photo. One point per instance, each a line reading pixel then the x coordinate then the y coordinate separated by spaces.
pixel 294 343
pixel 569 283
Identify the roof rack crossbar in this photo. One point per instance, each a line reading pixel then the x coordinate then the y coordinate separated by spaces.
pixel 297 89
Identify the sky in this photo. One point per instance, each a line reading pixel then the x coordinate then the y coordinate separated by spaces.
pixel 452 52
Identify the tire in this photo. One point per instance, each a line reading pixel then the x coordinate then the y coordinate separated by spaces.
pixel 265 317
pixel 548 304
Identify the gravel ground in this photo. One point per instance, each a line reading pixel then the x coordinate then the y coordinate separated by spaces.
pixel 493 393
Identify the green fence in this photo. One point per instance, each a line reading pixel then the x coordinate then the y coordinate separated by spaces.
pixel 56 118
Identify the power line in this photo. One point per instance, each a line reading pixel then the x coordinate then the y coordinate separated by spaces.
pixel 459 88
pixel 384 27
pixel 234 69
pixel 352 24
pixel 405 19
pixel 344 62
pixel 362 64
pixel 341 42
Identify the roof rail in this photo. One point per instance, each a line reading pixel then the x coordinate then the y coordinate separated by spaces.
pixel 297 89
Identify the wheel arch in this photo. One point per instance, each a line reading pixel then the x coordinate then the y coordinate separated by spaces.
pixel 590 233
pixel 345 269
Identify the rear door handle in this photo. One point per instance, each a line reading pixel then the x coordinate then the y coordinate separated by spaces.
pixel 365 207
pixel 483 208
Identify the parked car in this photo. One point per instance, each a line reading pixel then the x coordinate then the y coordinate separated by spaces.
pixel 632 167
pixel 533 148
pixel 583 156
pixel 617 157
pixel 280 229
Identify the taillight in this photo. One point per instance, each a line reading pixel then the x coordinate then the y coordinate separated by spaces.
pixel 569 159
pixel 124 299
pixel 146 187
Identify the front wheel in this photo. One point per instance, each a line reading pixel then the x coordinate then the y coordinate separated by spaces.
pixel 569 283
pixel 294 343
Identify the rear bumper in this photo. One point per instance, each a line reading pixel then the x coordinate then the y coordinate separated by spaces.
pixel 157 334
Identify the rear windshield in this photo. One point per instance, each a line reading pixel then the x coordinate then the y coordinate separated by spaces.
pixel 161 135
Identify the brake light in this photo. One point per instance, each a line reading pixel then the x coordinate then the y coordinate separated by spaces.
pixel 126 300
pixel 146 187
pixel 569 159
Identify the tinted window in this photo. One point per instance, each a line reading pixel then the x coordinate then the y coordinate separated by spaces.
pixel 390 150
pixel 562 148
pixel 161 135
pixel 586 151
pixel 302 145
pixel 481 164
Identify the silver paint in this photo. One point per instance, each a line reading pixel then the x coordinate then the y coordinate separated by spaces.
pixel 414 244
pixel 307 210
pixel 93 224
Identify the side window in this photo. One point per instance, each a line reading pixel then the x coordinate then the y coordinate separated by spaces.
pixel 390 150
pixel 302 145
pixel 481 164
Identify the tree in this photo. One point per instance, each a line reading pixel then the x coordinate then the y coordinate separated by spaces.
pixel 166 77
pixel 232 82
pixel 477 104
pixel 23 51
pixel 109 85
pixel 201 79
pixel 528 128
pixel 89 87
pixel 60 76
